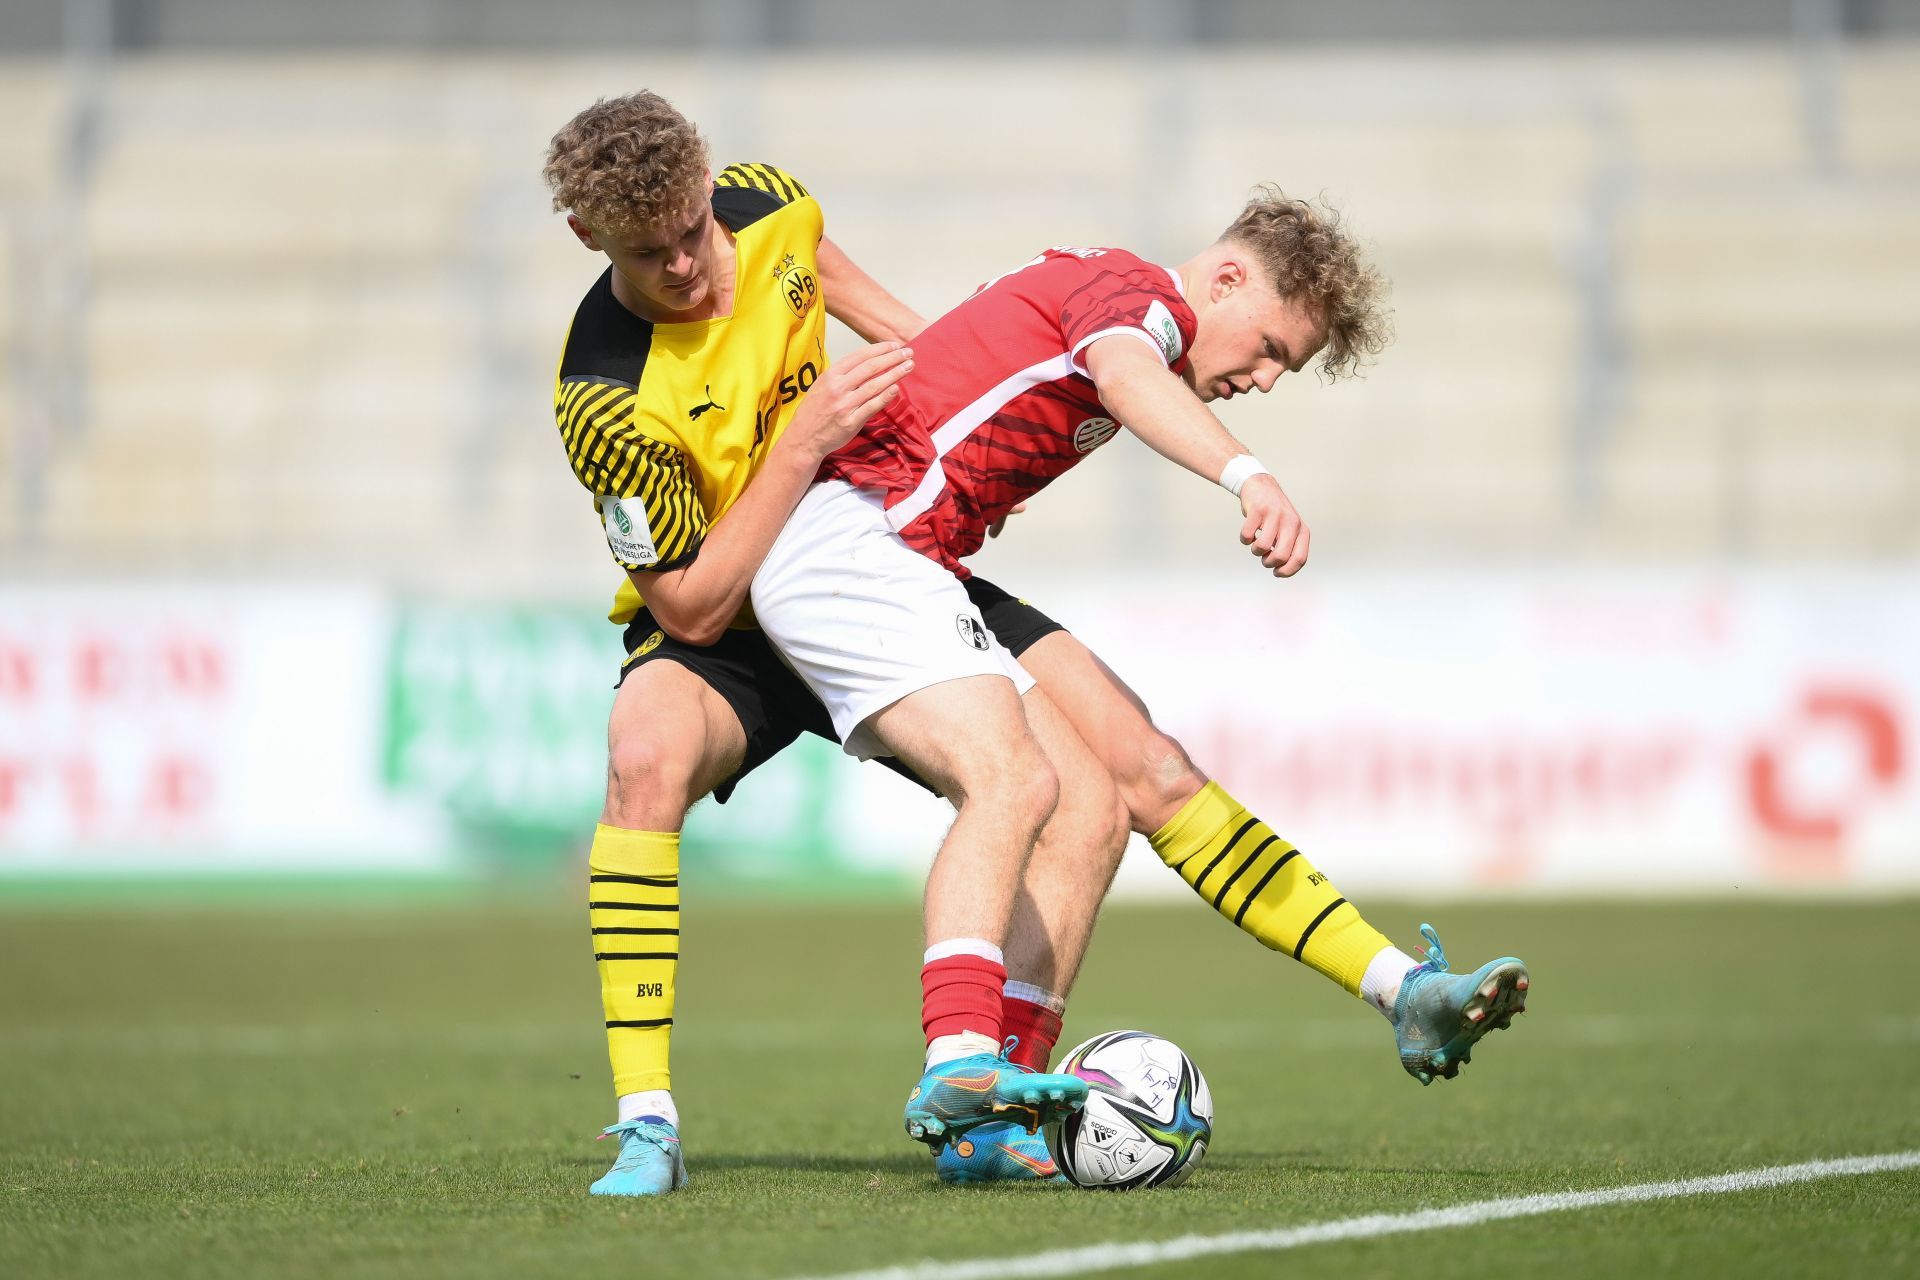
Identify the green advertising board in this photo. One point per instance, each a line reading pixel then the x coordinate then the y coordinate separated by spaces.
pixel 500 716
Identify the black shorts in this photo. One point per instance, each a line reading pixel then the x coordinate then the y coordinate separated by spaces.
pixel 774 705
pixel 1014 623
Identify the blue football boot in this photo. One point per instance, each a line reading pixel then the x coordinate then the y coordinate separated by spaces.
pixel 1439 1016
pixel 649 1163
pixel 954 1097
pixel 997 1152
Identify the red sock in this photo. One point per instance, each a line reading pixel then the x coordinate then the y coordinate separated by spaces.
pixel 1038 1028
pixel 961 993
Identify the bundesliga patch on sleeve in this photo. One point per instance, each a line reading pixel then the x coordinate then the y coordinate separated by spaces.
pixel 628 534
pixel 1160 326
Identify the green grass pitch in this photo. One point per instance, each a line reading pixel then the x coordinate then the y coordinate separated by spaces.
pixel 411 1088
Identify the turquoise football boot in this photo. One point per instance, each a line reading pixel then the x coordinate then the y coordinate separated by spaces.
pixel 1439 1016
pixel 997 1152
pixel 649 1163
pixel 955 1097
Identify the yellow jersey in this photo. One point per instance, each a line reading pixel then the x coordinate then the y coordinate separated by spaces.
pixel 666 423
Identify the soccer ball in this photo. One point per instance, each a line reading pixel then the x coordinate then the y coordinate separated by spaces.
pixel 1148 1118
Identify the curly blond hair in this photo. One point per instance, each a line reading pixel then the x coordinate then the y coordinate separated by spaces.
pixel 628 164
pixel 1307 255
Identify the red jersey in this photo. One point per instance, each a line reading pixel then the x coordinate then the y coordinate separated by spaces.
pixel 1000 402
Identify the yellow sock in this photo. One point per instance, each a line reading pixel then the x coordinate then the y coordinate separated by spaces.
pixel 1263 884
pixel 634 903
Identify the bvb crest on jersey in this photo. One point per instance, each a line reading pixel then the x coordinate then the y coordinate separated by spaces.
pixel 798 284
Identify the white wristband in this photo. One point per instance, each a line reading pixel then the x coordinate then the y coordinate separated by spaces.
pixel 1239 470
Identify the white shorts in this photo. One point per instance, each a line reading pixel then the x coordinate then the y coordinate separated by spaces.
pixel 865 619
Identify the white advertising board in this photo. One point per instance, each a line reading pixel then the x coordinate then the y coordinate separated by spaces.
pixel 1618 732
pixel 169 729
pixel 1503 731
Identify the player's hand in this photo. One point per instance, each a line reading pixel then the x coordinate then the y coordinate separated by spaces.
pixel 847 395
pixel 1273 530
pixel 993 530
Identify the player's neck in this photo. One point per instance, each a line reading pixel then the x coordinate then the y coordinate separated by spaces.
pixel 717 303
pixel 1194 274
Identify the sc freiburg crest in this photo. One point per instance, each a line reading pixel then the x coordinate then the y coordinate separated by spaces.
pixel 797 285
pixel 971 631
pixel 1093 433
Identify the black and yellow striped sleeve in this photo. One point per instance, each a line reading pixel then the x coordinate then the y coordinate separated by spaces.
pixel 743 194
pixel 777 183
pixel 642 487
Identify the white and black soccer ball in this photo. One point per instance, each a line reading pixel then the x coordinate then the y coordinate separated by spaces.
pixel 1148 1118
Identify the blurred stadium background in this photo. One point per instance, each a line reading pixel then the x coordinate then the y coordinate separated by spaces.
pixel 1615 553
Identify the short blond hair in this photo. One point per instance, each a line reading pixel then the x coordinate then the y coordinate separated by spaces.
pixel 1308 255
pixel 628 164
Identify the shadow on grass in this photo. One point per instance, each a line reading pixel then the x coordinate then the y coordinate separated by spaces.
pixel 903 1162
pixel 811 1162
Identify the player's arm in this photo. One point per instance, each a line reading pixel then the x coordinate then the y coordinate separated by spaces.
pixel 1159 407
pixel 858 301
pixel 695 602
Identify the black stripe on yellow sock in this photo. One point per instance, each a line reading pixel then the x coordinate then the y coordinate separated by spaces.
pixel 636 871
pixel 1332 907
pixel 1249 825
pixel 1298 912
pixel 1241 870
pixel 1262 883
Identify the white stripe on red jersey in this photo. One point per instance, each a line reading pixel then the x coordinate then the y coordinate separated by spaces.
pixel 963 424
pixel 999 402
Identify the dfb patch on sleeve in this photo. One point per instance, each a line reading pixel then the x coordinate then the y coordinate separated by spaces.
pixel 1160 326
pixel 628 534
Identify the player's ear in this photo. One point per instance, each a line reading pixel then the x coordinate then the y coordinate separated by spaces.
pixel 584 232
pixel 1227 277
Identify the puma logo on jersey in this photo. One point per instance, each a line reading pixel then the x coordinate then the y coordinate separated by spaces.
pixel 694 413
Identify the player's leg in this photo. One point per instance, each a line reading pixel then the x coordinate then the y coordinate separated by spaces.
pixel 888 641
pixel 672 738
pixel 1054 906
pixel 1260 882
pixel 1233 860
pixel 1066 878
pixel 969 738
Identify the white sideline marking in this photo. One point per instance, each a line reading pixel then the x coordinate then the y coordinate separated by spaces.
pixel 1111 1257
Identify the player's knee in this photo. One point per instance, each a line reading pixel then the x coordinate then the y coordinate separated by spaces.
pixel 1025 787
pixel 1162 779
pixel 1100 816
pixel 1119 826
pixel 1038 787
pixel 1089 818
pixel 644 774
